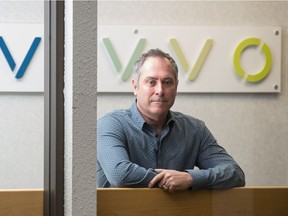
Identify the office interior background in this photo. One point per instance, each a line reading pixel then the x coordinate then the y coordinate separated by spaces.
pixel 253 127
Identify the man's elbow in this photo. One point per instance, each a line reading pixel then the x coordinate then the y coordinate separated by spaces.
pixel 241 179
pixel 238 177
pixel 116 181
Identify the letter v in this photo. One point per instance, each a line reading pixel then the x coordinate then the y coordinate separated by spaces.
pixel 200 60
pixel 129 68
pixel 26 60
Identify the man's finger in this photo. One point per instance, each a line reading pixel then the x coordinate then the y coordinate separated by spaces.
pixel 155 180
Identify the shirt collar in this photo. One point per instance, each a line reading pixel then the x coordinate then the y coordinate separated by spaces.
pixel 171 119
pixel 136 116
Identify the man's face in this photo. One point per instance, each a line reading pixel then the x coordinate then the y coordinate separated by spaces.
pixel 156 89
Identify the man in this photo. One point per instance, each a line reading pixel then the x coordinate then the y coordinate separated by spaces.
pixel 149 145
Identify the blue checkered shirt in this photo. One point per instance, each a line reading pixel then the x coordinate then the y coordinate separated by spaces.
pixel 128 151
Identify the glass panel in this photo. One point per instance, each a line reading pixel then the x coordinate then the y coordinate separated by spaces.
pixel 21 97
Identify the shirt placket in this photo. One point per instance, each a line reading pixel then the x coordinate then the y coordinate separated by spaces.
pixel 160 158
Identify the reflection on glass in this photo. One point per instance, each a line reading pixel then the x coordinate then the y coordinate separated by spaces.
pixel 21 94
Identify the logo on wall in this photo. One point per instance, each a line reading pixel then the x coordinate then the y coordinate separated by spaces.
pixel 26 60
pixel 215 59
pixel 245 44
pixel 21 58
pixel 118 66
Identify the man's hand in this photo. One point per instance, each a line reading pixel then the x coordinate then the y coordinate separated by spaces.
pixel 171 180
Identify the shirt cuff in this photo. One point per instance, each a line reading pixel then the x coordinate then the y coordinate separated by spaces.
pixel 198 178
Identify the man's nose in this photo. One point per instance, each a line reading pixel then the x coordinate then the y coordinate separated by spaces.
pixel 159 88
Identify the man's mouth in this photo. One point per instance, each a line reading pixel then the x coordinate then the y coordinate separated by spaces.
pixel 159 101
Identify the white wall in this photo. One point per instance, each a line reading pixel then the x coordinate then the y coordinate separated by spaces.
pixel 257 140
pixel 22 116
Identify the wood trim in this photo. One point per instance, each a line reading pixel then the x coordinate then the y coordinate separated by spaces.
pixel 247 201
pixel 254 201
pixel 21 202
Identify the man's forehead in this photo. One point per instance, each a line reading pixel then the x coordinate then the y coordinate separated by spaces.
pixel 155 67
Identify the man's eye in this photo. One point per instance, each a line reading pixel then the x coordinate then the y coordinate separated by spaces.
pixel 151 83
pixel 168 83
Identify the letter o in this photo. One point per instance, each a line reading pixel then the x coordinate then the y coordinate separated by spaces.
pixel 237 65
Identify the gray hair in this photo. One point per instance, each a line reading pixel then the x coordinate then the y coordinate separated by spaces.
pixel 153 53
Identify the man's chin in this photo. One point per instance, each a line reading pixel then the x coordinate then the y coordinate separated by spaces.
pixel 160 110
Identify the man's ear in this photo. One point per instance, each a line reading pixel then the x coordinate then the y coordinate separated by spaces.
pixel 134 85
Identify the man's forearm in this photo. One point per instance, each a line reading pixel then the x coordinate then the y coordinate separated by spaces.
pixel 130 176
pixel 221 177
